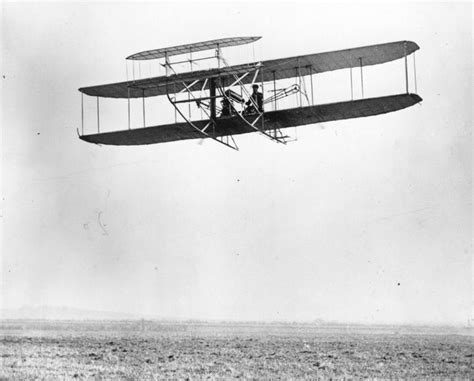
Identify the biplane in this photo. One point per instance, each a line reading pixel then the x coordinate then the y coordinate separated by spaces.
pixel 226 105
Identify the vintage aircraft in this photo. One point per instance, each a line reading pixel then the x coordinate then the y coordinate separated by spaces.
pixel 237 111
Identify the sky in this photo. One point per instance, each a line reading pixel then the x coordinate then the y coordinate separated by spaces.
pixel 365 220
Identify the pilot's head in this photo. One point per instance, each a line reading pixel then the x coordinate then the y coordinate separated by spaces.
pixel 255 88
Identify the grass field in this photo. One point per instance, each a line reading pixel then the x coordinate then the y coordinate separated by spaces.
pixel 151 350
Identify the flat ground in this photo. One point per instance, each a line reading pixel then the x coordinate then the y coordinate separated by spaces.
pixel 151 350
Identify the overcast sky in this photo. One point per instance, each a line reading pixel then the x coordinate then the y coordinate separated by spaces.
pixel 365 220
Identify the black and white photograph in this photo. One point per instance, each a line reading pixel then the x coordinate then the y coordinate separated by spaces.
pixel 236 190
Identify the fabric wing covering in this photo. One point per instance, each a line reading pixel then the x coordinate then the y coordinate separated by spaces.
pixel 273 119
pixel 192 48
pixel 272 69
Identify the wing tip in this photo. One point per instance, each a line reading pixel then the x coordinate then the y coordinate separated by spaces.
pixel 414 46
pixel 416 97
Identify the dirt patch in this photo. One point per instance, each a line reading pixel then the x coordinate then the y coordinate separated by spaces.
pixel 226 353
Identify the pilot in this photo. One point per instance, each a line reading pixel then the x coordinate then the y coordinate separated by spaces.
pixel 257 98
pixel 226 107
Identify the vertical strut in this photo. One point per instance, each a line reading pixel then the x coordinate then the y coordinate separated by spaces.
pixel 143 104
pixel 274 90
pixel 98 122
pixel 414 72
pixel 82 113
pixel 263 94
pixel 296 93
pixel 212 103
pixel 406 65
pixel 352 87
pixel 361 77
pixel 311 78
pixel 128 100
pixel 191 68
pixel 299 83
pixel 175 110
pixel 167 64
pixel 275 101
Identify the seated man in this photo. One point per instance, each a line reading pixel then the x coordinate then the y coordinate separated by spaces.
pixel 227 103
pixel 226 107
pixel 257 99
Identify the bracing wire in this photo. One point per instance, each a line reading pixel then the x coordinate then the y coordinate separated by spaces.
pixel 414 71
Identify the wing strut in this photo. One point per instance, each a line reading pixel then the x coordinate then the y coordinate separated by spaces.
pixel 227 140
pixel 361 77
pixel 279 138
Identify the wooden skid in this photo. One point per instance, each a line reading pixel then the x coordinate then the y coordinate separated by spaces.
pixel 273 119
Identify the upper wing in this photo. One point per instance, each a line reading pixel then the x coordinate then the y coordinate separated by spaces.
pixel 150 87
pixel 272 69
pixel 339 59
